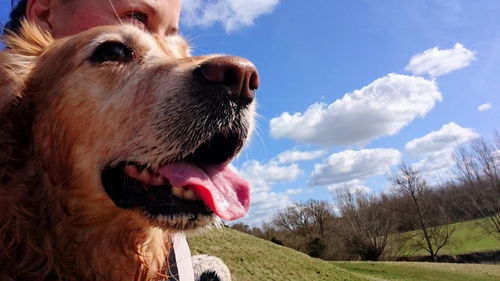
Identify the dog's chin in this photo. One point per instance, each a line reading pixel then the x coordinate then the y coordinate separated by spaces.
pixel 140 187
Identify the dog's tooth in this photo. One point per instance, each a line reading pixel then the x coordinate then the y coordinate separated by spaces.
pixel 190 195
pixel 157 180
pixel 144 176
pixel 131 171
pixel 177 191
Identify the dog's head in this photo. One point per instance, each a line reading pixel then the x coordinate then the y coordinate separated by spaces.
pixel 123 123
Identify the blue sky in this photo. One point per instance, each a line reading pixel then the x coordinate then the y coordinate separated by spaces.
pixel 351 88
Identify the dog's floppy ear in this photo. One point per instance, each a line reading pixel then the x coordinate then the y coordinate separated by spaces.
pixel 16 64
pixel 17 61
pixel 30 41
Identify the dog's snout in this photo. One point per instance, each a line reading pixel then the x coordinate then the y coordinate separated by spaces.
pixel 238 76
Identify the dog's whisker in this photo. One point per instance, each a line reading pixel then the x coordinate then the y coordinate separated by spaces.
pixel 115 12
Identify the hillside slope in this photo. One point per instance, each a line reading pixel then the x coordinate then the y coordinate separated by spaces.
pixel 254 259
pixel 468 237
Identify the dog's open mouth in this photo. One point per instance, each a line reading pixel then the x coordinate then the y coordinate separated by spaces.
pixel 199 185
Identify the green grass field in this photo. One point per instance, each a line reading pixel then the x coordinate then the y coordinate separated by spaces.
pixel 412 271
pixel 254 259
pixel 468 237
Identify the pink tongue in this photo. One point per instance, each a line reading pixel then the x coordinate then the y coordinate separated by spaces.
pixel 222 190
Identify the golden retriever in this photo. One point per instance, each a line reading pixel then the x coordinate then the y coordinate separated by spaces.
pixel 110 141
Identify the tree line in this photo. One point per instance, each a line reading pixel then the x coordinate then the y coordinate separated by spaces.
pixel 414 215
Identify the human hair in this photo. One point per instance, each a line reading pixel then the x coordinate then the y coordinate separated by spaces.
pixel 16 16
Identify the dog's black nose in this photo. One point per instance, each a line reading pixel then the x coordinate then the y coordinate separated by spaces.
pixel 238 76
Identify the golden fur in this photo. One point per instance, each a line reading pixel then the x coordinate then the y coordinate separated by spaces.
pixel 61 120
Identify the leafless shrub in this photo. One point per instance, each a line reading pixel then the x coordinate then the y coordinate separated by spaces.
pixel 477 168
pixel 366 225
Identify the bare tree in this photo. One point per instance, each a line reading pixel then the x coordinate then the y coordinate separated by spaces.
pixel 303 226
pixel 305 218
pixel 366 224
pixel 478 170
pixel 320 212
pixel 295 220
pixel 433 223
pixel 241 227
pixel 268 231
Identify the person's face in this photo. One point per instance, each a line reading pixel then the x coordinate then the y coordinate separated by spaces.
pixel 68 17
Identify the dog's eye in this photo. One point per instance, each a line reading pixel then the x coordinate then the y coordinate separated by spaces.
pixel 111 51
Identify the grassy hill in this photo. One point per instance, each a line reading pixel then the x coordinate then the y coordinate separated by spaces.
pixel 254 259
pixel 468 237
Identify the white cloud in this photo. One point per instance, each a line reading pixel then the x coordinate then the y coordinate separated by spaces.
pixel 233 14
pixel 292 156
pixel 484 107
pixel 353 186
pixel 263 176
pixel 382 108
pixel 436 62
pixel 496 156
pixel 435 166
pixel 448 137
pixel 436 150
pixel 264 205
pixel 350 165
pixel 295 191
pixel 264 202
